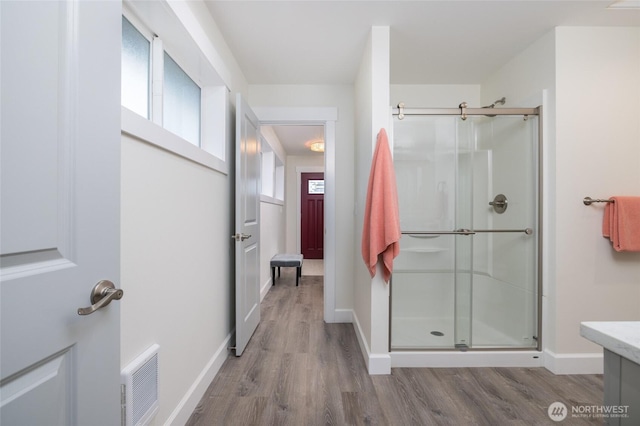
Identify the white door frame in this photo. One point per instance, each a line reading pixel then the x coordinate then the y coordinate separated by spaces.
pixel 326 116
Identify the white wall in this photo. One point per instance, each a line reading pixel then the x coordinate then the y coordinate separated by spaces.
pixel 177 254
pixel 371 296
pixel 364 154
pixel 175 267
pixel 597 155
pixel 435 95
pixel 272 241
pixel 272 209
pixel 590 81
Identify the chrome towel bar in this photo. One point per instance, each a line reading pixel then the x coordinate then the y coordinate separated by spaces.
pixel 588 201
pixel 527 231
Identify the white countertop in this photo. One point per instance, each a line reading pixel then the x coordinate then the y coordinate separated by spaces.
pixel 620 337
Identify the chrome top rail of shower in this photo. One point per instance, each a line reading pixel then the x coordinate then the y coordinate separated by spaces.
pixel 462 111
pixel 527 231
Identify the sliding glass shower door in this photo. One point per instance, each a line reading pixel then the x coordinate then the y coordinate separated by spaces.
pixel 466 277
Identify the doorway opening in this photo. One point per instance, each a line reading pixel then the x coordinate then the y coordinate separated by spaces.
pixel 326 117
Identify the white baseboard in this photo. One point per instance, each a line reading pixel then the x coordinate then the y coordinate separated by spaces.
pixel 189 402
pixel 379 364
pixel 376 363
pixel 364 347
pixel 343 315
pixel 457 359
pixel 589 363
pixel 265 289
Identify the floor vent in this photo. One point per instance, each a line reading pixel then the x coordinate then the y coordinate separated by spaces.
pixel 140 388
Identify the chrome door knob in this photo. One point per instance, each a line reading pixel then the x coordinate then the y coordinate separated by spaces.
pixel 101 295
pixel 241 237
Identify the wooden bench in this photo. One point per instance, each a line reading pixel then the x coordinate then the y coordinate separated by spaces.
pixel 286 260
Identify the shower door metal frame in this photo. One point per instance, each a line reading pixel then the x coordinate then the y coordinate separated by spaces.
pixel 400 111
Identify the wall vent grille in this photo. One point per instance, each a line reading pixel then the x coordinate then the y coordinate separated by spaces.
pixel 140 380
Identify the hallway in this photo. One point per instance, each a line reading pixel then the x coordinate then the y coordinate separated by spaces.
pixel 298 370
pixel 313 267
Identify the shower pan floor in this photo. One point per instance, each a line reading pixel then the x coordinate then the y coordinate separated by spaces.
pixel 439 333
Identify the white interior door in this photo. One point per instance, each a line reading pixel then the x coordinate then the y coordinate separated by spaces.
pixel 247 223
pixel 60 155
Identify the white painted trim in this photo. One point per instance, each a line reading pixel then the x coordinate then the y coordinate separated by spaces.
pixel 362 341
pixel 188 403
pixel 142 129
pixel 174 22
pixel 457 359
pixel 299 171
pixel 296 115
pixel 581 363
pixel 172 27
pixel 271 200
pixel 265 287
pixel 343 316
pixel 157 81
pixel 326 116
pixel 377 364
pixel 330 220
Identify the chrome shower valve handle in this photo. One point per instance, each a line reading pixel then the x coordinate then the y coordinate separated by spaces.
pixel 499 203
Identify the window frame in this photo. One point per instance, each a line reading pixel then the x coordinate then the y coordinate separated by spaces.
pixel 144 32
pixel 214 95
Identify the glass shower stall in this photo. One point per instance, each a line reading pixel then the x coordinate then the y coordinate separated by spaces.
pixel 468 273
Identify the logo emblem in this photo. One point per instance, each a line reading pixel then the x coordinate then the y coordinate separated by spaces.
pixel 557 411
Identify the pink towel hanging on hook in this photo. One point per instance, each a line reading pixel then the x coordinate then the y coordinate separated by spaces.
pixel 381 230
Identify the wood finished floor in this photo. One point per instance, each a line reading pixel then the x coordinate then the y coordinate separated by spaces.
pixel 297 370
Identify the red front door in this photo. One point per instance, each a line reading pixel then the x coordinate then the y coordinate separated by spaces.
pixel 312 215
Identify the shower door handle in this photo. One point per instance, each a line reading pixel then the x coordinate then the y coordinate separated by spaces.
pixel 456 232
pixel 527 231
pixel 462 231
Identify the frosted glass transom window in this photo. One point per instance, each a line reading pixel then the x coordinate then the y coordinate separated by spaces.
pixel 136 54
pixel 181 102
pixel 171 96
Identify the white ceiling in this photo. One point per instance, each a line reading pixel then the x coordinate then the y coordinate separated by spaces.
pixel 293 138
pixel 432 42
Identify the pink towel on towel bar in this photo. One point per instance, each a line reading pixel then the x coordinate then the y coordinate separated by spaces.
pixel 621 223
pixel 381 231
